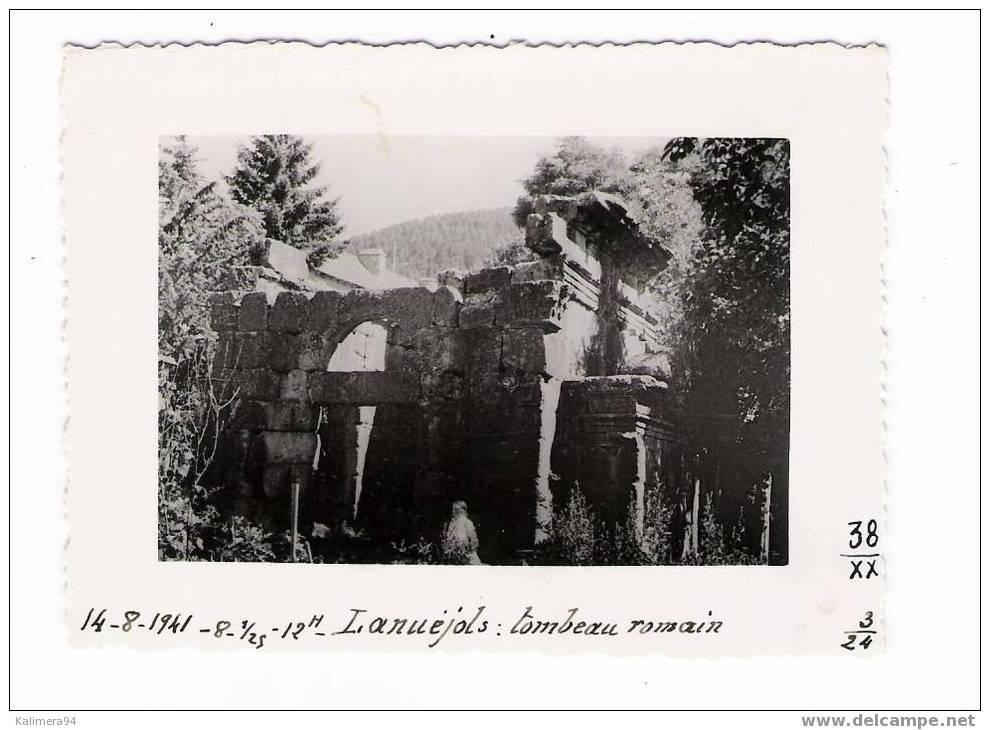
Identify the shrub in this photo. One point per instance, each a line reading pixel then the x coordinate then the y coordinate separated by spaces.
pixel 714 547
pixel 657 541
pixel 421 552
pixel 571 538
pixel 191 528
pixel 577 537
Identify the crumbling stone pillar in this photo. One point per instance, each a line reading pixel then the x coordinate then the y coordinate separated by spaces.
pixel 610 443
pixel 508 402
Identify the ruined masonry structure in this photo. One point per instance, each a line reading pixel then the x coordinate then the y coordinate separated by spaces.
pixel 504 387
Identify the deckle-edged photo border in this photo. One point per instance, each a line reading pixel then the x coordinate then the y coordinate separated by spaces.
pixel 828 101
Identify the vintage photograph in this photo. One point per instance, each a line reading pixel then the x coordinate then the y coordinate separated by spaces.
pixel 474 350
pixel 420 364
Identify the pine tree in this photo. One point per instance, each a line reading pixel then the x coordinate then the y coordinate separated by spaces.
pixel 201 235
pixel 273 176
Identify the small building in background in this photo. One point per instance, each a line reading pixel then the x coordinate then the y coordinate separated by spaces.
pixel 285 268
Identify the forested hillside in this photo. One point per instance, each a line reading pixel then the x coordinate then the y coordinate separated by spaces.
pixel 426 246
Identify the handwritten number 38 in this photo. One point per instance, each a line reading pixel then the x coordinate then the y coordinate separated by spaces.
pixel 857 539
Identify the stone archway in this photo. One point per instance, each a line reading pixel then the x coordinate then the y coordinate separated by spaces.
pixel 344 430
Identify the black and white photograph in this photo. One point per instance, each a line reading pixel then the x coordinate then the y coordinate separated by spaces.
pixel 499 373
pixel 474 350
pixel 481 360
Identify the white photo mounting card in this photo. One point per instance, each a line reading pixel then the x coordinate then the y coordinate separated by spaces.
pixel 407 348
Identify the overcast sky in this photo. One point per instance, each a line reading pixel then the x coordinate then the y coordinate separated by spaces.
pixel 382 180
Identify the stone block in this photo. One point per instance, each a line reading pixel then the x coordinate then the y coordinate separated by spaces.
pixel 449 385
pixel 411 309
pixel 258 384
pixel 523 349
pixel 432 348
pixel 341 432
pixel 477 313
pixel 388 304
pixel 289 313
pixel 500 408
pixel 275 416
pixel 363 388
pixel 240 351
pixel 363 303
pixel 314 350
pixel 323 311
pixel 442 384
pixel 612 403
pixel 406 310
pixel 279 351
pixel 532 304
pixel 278 479
pixel 540 234
pixel 282 447
pixel 294 386
pixel 526 391
pixel 544 268
pixel 290 416
pixel 446 305
pixel 250 414
pixel 223 312
pixel 495 278
pixel 410 300
pixel 399 358
pixel 253 312
pixel 478 350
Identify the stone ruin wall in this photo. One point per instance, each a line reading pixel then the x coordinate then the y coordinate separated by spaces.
pixel 504 387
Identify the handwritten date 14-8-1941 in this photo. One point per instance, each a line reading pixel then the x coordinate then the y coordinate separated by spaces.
pixel 359 621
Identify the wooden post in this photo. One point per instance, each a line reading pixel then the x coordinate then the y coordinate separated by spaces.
pixel 765 518
pixel 295 516
pixel 693 508
pixel 695 515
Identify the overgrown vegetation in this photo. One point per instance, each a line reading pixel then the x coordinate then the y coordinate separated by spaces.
pixel 202 233
pixel 572 534
pixel 577 536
